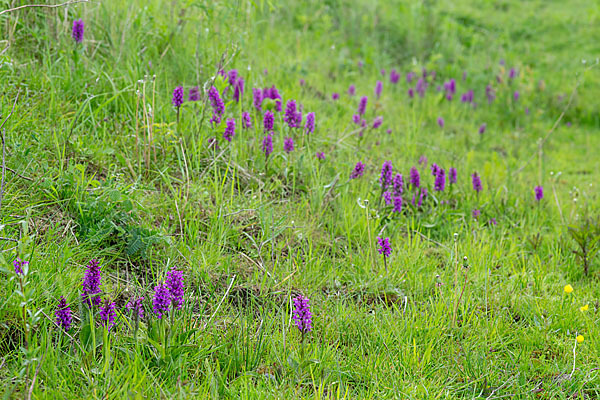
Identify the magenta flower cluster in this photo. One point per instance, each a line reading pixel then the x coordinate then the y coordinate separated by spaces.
pixel 168 293
pixel 301 315
pixel 107 314
pixel 177 96
pixel 78 29
pixel 63 315
pixel 386 174
pixel 91 284
pixel 18 265
pixel 384 246
pixel 358 170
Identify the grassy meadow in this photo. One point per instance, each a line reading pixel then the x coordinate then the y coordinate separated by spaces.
pixel 172 140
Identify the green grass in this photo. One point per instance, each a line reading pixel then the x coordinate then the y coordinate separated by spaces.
pixel 101 169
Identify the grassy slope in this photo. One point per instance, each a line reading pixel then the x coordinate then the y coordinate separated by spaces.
pixel 376 335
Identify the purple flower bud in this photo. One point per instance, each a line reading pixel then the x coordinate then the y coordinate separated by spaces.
pixel 288 145
pixel 386 174
pixel 377 122
pixel 335 96
pixel 217 104
pixel 174 283
pixel 482 128
pixel 63 315
pixel 422 196
pixel 384 246
pixel 267 145
pixel 18 264
pixel 452 175
pixel 512 74
pixel 194 94
pixel 387 197
pixel 290 116
pixel 301 315
pixel 268 121
pixel 378 89
pixel 539 193
pixel 78 29
pixel 476 182
pixel 440 180
pixel 161 301
pixel 467 97
pixel 178 96
pixel 411 93
pixel 516 95
pixel 415 178
pixel 394 76
pixel 398 204
pixel 232 76
pixel 320 155
pixel 358 171
pixel 310 122
pixel 275 93
pixel 229 132
pixel 238 89
pixel 362 105
pixel 352 90
pixel 356 119
pixel 299 118
pixel 476 213
pixel 246 120
pixel 257 98
pixel 91 284
pixel 420 87
pixel 398 185
pixel 107 314
pixel 440 122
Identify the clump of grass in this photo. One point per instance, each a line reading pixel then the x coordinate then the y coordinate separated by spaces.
pixel 586 235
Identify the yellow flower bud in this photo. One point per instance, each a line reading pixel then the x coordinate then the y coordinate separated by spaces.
pixel 568 289
pixel 580 339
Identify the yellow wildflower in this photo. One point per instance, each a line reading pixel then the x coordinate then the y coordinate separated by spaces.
pixel 584 308
pixel 568 289
pixel 580 339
